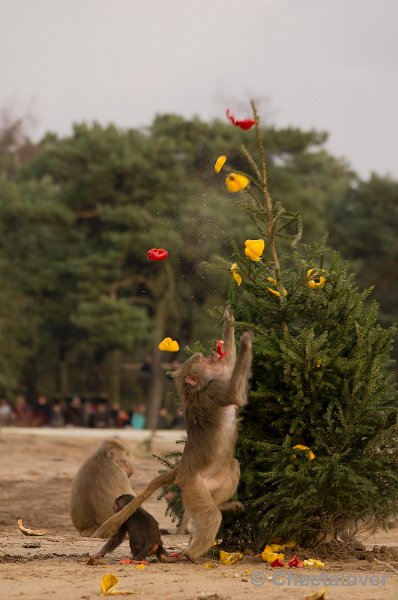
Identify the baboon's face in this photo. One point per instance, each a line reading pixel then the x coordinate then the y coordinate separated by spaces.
pixel 203 370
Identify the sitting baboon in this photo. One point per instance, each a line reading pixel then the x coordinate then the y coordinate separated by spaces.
pixel 212 389
pixel 101 478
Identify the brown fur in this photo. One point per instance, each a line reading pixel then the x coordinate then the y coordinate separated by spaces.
pixel 143 532
pixel 99 480
pixel 211 389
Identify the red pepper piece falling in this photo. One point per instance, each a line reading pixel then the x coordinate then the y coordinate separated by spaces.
pixel 157 254
pixel 219 349
pixel 244 124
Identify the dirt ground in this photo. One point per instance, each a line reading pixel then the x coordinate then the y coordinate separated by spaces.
pixel 35 480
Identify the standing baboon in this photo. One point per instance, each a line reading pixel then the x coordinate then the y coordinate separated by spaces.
pixel 143 532
pixel 101 478
pixel 211 389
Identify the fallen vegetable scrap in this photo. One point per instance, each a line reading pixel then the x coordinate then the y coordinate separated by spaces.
pixel 269 555
pixel 169 345
pixel 157 254
pixel 180 557
pixel 131 561
pixel 295 562
pixel 277 563
pixel 313 562
pixel 230 558
pixel 219 349
pixel 108 584
pixel 27 531
pixel 244 124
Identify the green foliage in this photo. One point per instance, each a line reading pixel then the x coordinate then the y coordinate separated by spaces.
pixel 18 332
pixel 77 219
pixel 175 508
pixel 364 224
pixel 322 379
pixel 112 324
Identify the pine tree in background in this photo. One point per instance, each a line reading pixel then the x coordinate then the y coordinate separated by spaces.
pixel 318 440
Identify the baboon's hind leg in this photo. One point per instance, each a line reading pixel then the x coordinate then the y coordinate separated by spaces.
pixel 205 517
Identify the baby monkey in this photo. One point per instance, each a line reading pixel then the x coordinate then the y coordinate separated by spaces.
pixel 143 532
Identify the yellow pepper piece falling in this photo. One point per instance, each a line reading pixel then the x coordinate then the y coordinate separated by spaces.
pixel 220 162
pixel 169 345
pixel 236 182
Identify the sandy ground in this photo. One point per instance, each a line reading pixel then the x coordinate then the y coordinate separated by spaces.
pixel 36 470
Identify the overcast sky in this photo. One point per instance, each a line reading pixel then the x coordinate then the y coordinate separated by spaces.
pixel 327 64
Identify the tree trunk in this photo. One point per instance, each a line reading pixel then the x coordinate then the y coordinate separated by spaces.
pixel 63 379
pixel 157 382
pixel 115 377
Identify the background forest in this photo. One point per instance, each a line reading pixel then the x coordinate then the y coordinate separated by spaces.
pixel 81 307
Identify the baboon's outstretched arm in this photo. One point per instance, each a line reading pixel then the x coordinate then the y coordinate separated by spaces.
pixel 229 336
pixel 240 375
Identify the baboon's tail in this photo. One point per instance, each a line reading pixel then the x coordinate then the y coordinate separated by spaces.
pixel 112 524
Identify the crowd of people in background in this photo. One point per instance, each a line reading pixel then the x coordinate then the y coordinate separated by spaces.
pixel 77 412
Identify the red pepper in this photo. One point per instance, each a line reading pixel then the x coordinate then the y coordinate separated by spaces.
pixel 157 254
pixel 295 562
pixel 131 561
pixel 244 124
pixel 219 350
pixel 277 563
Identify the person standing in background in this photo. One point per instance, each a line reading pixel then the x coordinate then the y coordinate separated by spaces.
pixel 138 420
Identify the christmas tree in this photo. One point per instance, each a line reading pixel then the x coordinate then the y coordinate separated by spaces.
pixel 318 440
